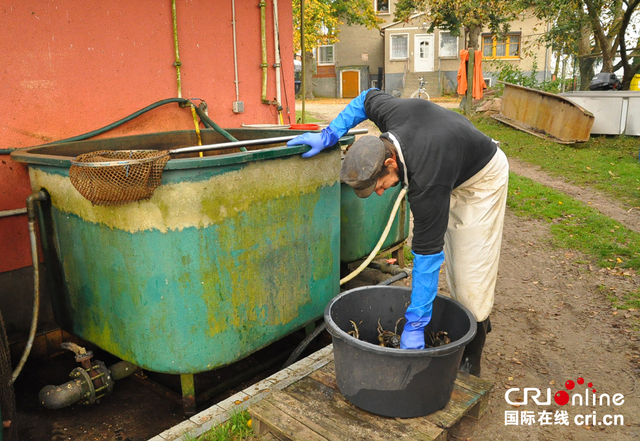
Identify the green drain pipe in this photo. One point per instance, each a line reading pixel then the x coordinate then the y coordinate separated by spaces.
pixel 177 63
pixel 263 39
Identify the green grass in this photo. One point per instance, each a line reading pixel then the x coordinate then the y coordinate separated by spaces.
pixel 308 119
pixel 577 226
pixel 237 428
pixel 608 164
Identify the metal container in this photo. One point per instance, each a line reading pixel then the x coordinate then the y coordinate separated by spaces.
pixel 544 114
pixel 234 250
pixel 616 112
pixel 362 221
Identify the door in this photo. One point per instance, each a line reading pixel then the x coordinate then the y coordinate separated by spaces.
pixel 423 53
pixel 350 83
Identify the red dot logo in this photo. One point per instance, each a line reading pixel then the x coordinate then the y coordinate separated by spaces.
pixel 590 385
pixel 561 398
pixel 580 380
pixel 569 384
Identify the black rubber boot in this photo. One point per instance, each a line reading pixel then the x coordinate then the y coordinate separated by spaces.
pixel 473 351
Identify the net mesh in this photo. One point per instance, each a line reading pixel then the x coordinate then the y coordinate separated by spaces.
pixel 118 177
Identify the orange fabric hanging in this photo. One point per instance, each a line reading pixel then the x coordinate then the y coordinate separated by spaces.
pixel 478 79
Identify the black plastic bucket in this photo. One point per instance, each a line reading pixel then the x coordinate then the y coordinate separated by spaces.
pixel 395 382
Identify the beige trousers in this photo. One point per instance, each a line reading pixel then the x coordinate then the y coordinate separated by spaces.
pixel 474 235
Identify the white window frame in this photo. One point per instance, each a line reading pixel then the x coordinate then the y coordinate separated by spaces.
pixel 324 63
pixel 406 37
pixel 375 8
pixel 440 40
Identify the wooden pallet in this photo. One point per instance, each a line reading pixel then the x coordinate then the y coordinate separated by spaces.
pixel 312 409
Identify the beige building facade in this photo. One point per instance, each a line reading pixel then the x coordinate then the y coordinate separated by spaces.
pixel 395 57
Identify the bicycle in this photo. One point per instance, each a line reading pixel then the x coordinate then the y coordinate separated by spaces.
pixel 421 92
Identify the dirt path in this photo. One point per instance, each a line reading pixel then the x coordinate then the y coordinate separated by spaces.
pixel 628 216
pixel 553 322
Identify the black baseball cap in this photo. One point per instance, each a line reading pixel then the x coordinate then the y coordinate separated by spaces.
pixel 363 164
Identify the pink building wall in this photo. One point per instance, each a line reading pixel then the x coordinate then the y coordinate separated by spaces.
pixel 71 67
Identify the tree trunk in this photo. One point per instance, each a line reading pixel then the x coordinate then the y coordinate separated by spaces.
pixel 585 65
pixel 600 37
pixel 627 77
pixel 556 70
pixel 585 62
pixel 629 67
pixel 473 33
pixel 310 64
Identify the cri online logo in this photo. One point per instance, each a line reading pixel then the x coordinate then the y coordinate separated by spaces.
pixel 562 397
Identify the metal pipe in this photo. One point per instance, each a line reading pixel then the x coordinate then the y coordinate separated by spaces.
pixel 303 85
pixel 235 50
pixel 122 370
pixel 276 44
pixel 388 268
pixel 226 145
pixel 82 387
pixel 15 212
pixel 31 213
pixel 177 63
pixel 57 397
pixel 263 39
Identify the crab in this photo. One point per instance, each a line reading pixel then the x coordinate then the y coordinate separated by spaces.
pixel 439 338
pixel 389 339
pixel 355 333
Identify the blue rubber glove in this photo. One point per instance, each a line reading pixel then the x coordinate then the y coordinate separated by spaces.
pixel 351 116
pixel 426 270
pixel 317 141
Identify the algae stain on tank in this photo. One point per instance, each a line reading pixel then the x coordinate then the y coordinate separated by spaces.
pixel 265 254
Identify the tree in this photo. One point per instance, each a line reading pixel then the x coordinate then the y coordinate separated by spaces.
pixel 601 29
pixel 322 19
pixel 610 20
pixel 455 15
pixel 569 34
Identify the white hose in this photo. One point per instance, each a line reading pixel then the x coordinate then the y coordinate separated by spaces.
pixel 385 233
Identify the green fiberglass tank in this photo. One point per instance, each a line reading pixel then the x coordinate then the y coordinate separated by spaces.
pixel 363 220
pixel 233 251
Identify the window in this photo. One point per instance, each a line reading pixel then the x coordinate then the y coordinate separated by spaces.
pixel 448 45
pixel 325 54
pixel 503 47
pixel 382 6
pixel 399 47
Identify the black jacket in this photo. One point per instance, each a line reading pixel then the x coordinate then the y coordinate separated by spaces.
pixel 441 148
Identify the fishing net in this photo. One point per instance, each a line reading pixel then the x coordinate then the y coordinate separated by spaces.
pixel 118 177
